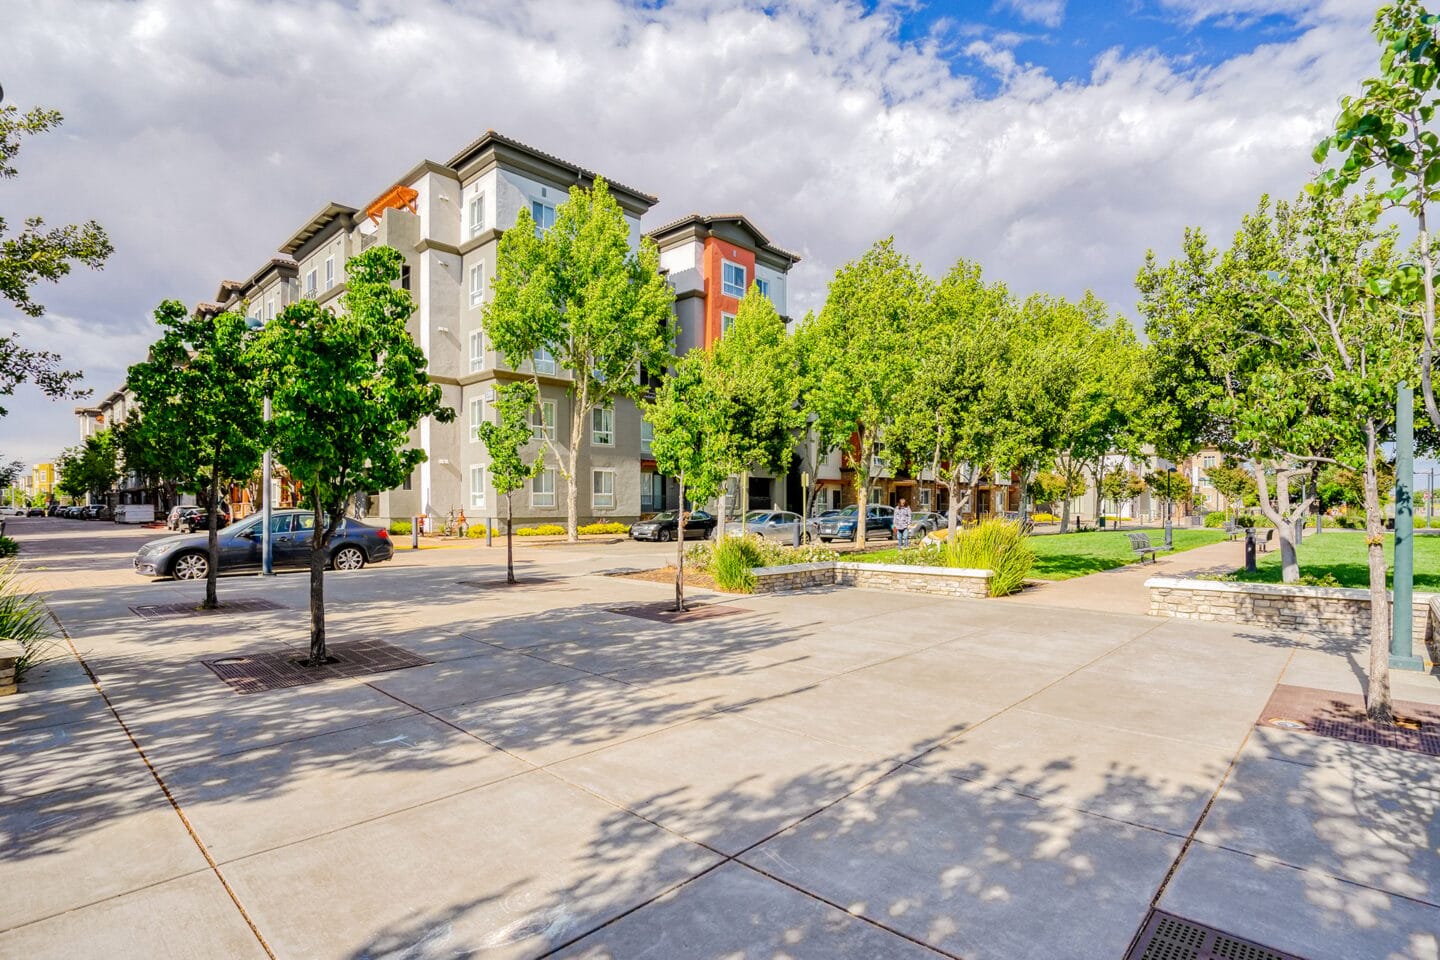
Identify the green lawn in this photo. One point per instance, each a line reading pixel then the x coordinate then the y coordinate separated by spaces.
pixel 1342 555
pixel 1061 556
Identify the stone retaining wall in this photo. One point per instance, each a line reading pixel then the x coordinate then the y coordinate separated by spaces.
pixel 1341 612
pixel 940 581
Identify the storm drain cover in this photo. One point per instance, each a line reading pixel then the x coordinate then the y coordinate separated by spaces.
pixel 666 613
pixel 1328 713
pixel 1168 937
pixel 165 611
pixel 279 669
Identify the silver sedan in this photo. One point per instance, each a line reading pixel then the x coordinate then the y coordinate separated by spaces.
pixel 778 525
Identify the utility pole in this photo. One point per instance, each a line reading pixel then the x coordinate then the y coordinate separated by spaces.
pixel 267 558
pixel 1402 650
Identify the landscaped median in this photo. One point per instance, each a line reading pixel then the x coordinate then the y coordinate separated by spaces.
pixel 1332 612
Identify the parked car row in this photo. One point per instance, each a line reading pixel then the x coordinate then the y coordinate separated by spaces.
pixel 780 525
pixel 187 557
pixel 193 518
pixel 6 511
pixel 89 511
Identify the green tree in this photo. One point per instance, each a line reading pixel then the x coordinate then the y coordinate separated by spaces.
pixel 1389 126
pixel 505 439
pixel 201 413
pixel 35 254
pixel 691 441
pixel 955 416
pixel 862 353
pixel 347 389
pixel 753 368
pixel 584 297
pixel 1048 488
pixel 89 469
pixel 147 455
pixel 1234 483
pixel 1113 485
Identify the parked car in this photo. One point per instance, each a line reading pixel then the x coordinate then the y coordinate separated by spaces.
pixel 927 523
pixel 74 512
pixel 9 511
pixel 664 526
pixel 96 511
pixel 879 523
pixel 770 524
pixel 195 518
pixel 54 510
pixel 186 557
pixel 35 512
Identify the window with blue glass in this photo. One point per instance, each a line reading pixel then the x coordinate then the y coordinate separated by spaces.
pixel 732 279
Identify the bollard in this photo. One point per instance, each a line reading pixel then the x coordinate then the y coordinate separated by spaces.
pixel 489 529
pixel 414 533
pixel 795 541
pixel 1249 549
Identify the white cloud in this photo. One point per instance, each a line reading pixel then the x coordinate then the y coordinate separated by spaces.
pixel 1047 13
pixel 201 135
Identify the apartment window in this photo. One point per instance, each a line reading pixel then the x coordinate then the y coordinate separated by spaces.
pixel 312 284
pixel 764 286
pixel 542 420
pixel 1209 462
pixel 477 488
pixel 602 426
pixel 477 351
pixel 270 309
pixel 727 320
pixel 329 272
pixel 732 279
pixel 543 360
pixel 542 489
pixel 477 214
pixel 647 435
pixel 405 276
pixel 603 489
pixel 544 216
pixel 477 417
pixel 406 485
pixel 477 284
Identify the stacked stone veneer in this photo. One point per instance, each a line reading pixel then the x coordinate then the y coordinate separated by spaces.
pixel 940 581
pixel 1325 611
pixel 10 654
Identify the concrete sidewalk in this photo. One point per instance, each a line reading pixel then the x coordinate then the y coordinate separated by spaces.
pixel 832 774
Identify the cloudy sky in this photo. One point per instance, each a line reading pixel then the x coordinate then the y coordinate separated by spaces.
pixel 1053 141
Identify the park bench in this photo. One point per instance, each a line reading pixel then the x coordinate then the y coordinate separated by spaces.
pixel 1232 529
pixel 1262 540
pixel 1140 543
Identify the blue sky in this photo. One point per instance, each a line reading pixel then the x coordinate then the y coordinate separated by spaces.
pixel 1066 44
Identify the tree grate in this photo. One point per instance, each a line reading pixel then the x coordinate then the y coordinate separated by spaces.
pixel 1327 713
pixel 1168 937
pixel 167 611
pixel 280 669
pixel 665 612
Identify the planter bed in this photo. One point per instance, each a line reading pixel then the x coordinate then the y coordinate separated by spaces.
pixel 941 581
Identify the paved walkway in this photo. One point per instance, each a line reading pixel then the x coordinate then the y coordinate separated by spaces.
pixel 1122 590
pixel 834 774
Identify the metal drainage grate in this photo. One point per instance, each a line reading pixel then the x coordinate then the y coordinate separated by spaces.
pixel 520 581
pixel 164 611
pixel 277 670
pixel 1327 713
pixel 665 612
pixel 1168 937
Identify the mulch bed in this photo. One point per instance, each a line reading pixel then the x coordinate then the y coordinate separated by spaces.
pixel 1326 713
pixel 667 575
pixel 277 670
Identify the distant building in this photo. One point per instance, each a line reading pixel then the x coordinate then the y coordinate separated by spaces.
pixel 42 479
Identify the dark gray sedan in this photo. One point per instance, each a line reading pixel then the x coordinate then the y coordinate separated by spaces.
pixel 186 557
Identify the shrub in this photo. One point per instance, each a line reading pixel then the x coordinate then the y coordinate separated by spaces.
pixel 780 555
pixel 732 560
pixel 8 547
pixel 1044 518
pixel 479 531
pixel 996 545
pixel 23 618
pixel 1215 518
pixel 601 527
pixel 543 530
pixel 700 555
pixel 1435 524
pixel 1311 580
pixel 400 528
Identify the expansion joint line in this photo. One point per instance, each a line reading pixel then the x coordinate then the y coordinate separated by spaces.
pixel 164 788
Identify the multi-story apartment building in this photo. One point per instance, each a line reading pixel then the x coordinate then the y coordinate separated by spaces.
pixel 42 479
pixel 446 219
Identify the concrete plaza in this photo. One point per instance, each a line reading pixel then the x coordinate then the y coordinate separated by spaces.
pixel 832 774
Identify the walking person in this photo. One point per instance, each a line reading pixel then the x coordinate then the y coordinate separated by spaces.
pixel 902 523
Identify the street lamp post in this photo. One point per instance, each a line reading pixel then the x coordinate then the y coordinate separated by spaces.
pixel 267 558
pixel 1169 506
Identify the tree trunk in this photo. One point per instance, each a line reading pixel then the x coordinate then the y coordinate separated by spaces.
pixel 212 548
pixel 509 537
pixel 862 489
pixel 953 520
pixel 680 550
pixel 719 509
pixel 1427 344
pixel 1282 515
pixel 318 653
pixel 744 500
pixel 572 456
pixel 1377 692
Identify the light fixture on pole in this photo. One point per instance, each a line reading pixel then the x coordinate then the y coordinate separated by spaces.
pixel 267 557
pixel 1169 505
